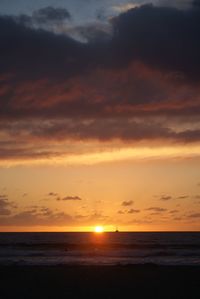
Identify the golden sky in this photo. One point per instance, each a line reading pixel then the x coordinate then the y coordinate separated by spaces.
pixel 140 194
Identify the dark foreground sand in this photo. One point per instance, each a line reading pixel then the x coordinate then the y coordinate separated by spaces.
pixel 146 281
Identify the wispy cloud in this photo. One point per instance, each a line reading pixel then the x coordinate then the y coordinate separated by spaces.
pixel 120 8
pixel 6 206
pixel 194 215
pixel 53 194
pixel 165 197
pixel 183 197
pixel 133 211
pixel 173 211
pixel 127 203
pixel 69 198
pixel 156 209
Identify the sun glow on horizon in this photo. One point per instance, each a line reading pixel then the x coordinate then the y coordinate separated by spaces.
pixel 99 229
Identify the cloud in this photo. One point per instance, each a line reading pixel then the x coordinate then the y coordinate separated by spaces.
pixel 130 211
pixel 183 197
pixel 38 216
pixel 122 85
pixel 178 218
pixel 96 216
pixel 47 18
pixel 69 198
pixel 166 28
pixel 44 216
pixel 156 209
pixel 196 3
pixel 129 130
pixel 47 217
pixel 95 32
pixel 3 196
pixel 173 211
pixel 180 4
pixel 194 215
pixel 52 194
pixel 5 205
pixel 124 7
pixel 165 197
pixel 141 221
pixel 27 43
pixel 93 218
pixel 127 203
pixel 133 211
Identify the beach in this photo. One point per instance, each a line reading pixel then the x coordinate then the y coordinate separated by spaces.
pixel 131 281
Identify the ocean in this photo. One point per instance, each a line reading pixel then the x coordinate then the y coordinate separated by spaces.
pixel 108 248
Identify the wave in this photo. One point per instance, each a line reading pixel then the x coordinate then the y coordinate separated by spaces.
pixel 88 249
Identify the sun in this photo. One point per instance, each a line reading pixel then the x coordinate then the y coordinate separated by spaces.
pixel 99 229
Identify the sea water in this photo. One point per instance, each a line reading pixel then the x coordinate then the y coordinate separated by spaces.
pixel 116 248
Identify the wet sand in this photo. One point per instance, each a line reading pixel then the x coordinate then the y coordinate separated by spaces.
pixel 136 281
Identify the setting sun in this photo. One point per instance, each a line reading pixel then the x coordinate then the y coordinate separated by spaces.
pixel 99 229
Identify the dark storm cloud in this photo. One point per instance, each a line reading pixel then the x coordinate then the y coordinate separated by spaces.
pixel 36 54
pixel 127 203
pixel 53 87
pixel 162 37
pixel 171 45
pixel 196 3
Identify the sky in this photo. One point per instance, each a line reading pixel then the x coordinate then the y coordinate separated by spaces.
pixel 99 115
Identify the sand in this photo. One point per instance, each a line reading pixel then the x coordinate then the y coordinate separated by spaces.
pixel 138 281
